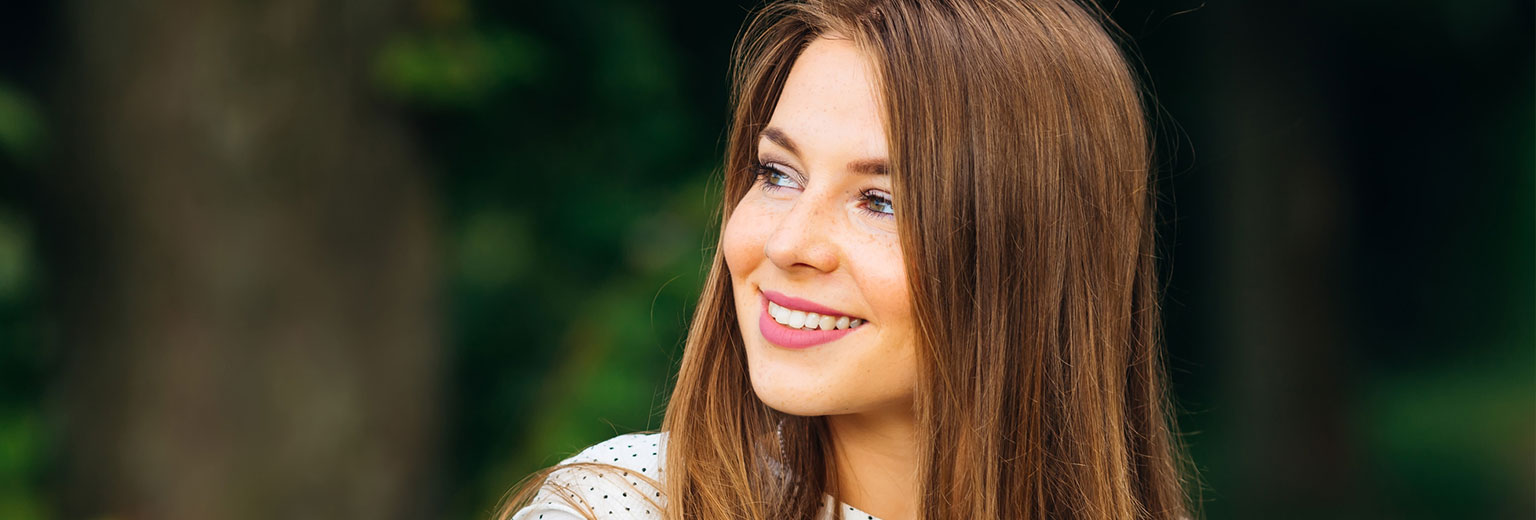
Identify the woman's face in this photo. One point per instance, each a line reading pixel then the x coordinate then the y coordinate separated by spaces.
pixel 817 234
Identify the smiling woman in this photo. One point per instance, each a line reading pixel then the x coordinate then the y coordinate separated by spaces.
pixel 818 239
pixel 934 295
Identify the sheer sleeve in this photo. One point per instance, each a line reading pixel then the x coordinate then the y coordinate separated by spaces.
pixel 614 479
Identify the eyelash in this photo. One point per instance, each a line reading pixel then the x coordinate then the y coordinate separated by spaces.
pixel 761 172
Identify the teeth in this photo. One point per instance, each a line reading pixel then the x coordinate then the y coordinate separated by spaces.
pixel 796 319
pixel 809 320
pixel 779 314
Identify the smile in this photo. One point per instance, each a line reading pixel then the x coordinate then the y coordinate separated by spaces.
pixel 797 324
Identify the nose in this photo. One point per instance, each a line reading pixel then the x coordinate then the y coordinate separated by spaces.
pixel 804 238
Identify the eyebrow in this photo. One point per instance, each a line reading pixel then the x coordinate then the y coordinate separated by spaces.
pixel 865 166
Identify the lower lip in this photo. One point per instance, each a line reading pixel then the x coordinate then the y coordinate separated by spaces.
pixel 786 337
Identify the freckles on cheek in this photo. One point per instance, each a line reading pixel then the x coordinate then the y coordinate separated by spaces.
pixel 881 262
pixel 883 278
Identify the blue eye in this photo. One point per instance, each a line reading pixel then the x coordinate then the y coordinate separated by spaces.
pixel 874 202
pixel 773 178
pixel 878 204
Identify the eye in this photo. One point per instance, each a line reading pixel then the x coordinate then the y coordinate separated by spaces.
pixel 773 178
pixel 877 203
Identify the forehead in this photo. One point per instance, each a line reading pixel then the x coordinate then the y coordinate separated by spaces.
pixel 830 103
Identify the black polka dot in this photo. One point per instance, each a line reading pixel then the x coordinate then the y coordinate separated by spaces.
pixel 614 450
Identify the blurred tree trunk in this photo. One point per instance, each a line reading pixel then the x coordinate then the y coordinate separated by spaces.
pixel 1285 328
pixel 243 246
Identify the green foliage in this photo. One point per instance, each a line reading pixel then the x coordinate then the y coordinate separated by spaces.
pixel 21 124
pixel 1456 438
pixel 457 69
pixel 24 436
pixel 23 444
pixel 493 248
pixel 576 176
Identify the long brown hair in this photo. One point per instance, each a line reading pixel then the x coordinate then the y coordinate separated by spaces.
pixel 1020 158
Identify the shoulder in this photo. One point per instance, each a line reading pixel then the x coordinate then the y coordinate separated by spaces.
pixel 617 477
pixel 638 452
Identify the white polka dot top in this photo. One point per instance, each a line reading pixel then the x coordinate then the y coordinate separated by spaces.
pixel 626 493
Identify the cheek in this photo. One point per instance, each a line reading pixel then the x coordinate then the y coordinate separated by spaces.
pixel 883 280
pixel 742 240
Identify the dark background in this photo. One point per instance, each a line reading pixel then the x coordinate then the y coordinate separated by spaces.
pixel 381 260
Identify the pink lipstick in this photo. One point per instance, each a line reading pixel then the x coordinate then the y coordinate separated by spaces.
pixel 783 336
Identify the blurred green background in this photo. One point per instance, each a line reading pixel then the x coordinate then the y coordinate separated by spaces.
pixel 382 260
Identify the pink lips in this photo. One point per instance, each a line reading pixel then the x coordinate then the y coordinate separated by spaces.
pixel 786 337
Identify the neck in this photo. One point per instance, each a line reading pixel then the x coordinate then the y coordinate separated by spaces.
pixel 876 457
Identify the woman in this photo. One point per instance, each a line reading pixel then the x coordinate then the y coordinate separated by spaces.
pixel 935 291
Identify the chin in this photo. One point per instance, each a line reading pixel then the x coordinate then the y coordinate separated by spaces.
pixel 789 396
pixel 794 407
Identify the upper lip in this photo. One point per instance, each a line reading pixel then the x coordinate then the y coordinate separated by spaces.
pixel 798 304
